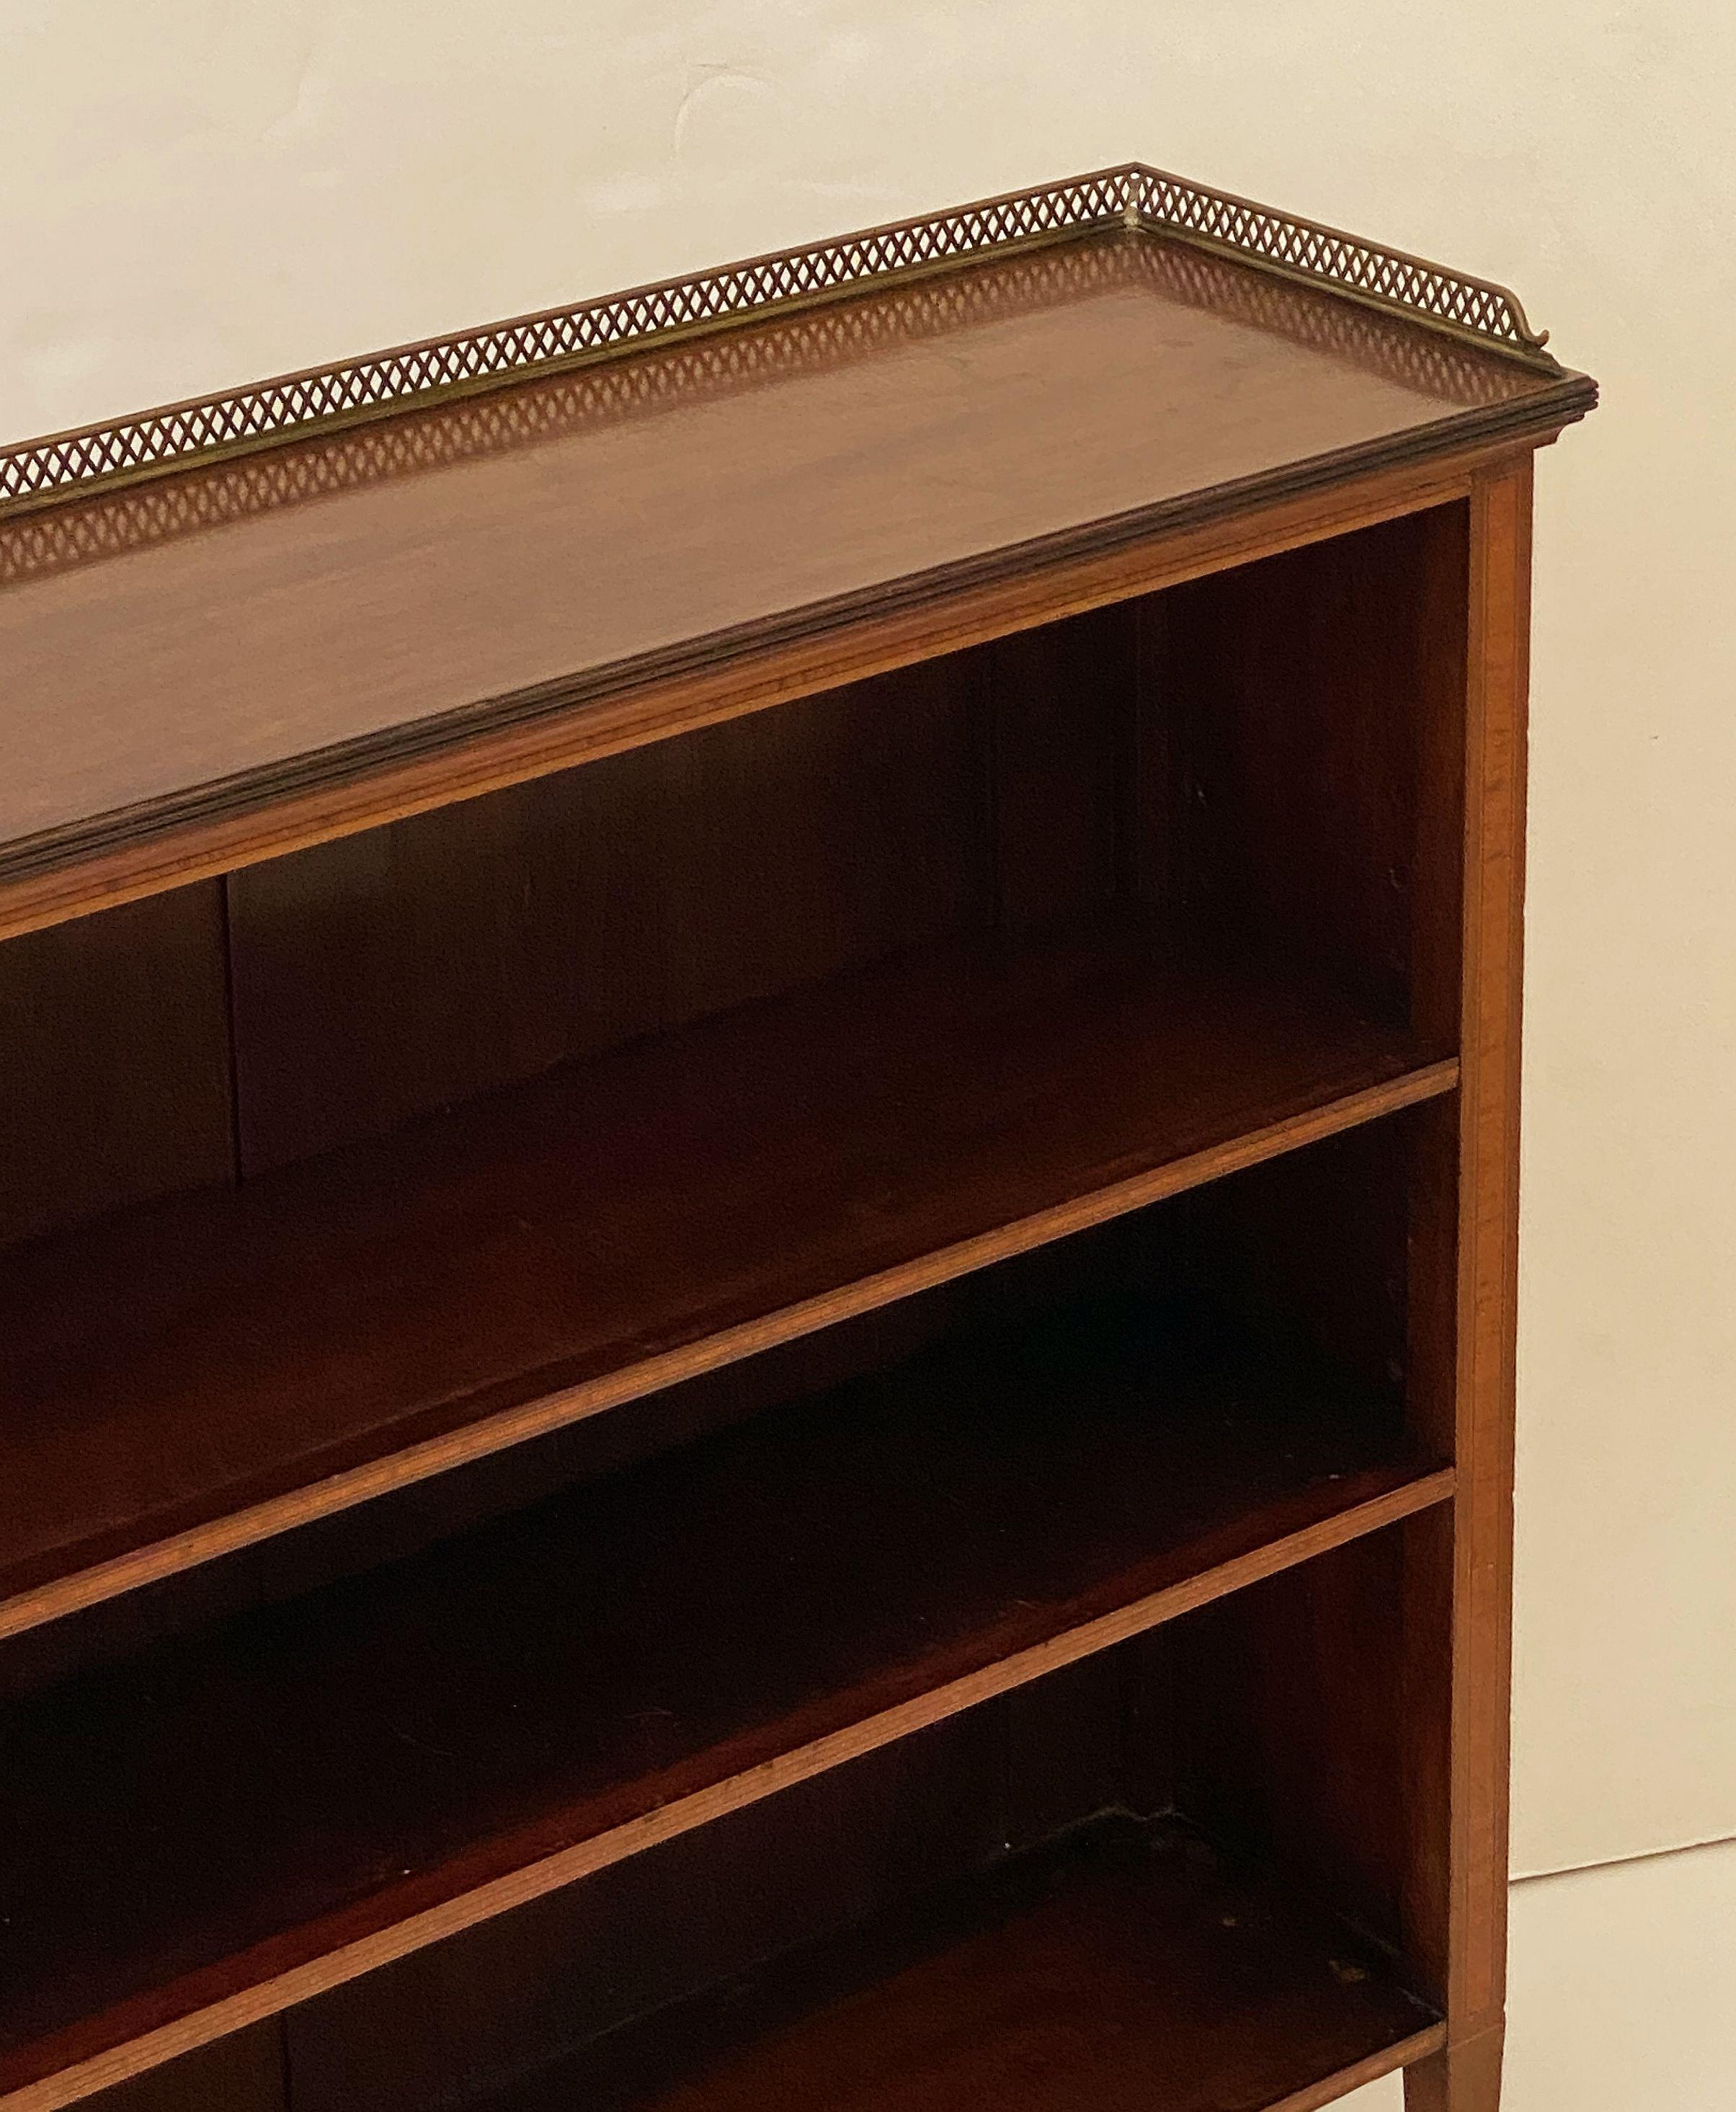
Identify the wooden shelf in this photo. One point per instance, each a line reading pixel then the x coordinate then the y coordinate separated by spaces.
pixel 232 1821
pixel 206 1372
pixel 1124 1965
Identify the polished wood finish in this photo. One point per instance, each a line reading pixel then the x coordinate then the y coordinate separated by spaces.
pixel 354 626
pixel 1121 1966
pixel 117 1085
pixel 1007 1502
pixel 1470 1936
pixel 757 1183
pixel 1133 198
pixel 200 1375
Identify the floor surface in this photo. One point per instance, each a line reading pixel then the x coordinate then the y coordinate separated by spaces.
pixel 1622 1991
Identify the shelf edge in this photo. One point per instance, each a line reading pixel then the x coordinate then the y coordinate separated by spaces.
pixel 285 1989
pixel 1419 2047
pixel 197 1544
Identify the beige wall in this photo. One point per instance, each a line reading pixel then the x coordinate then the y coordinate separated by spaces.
pixel 1621 1992
pixel 199 192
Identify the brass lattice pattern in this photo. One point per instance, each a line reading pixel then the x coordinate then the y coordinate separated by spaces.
pixel 358 388
pixel 353 391
pixel 110 523
pixel 1437 364
pixel 1327 254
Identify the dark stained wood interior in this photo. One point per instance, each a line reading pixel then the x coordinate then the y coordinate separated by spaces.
pixel 779 1920
pixel 1293 1742
pixel 1311 702
pixel 182 1362
pixel 115 1084
pixel 1278 1245
pixel 598 1069
pixel 315 1771
pixel 1268 792
pixel 509 1996
pixel 401 971
pixel 1123 1965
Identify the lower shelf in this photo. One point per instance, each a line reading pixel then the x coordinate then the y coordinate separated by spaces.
pixel 1127 1967
pixel 234 1821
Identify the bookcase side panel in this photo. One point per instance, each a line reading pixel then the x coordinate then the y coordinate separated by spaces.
pixel 1459 1584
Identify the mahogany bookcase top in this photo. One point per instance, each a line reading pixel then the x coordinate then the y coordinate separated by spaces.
pixel 228 623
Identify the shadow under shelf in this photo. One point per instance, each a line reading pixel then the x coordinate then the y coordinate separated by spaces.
pixel 203 1374
pixel 238 1818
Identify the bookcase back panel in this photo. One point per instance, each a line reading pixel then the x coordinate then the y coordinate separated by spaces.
pixel 1317 1242
pixel 114 1062
pixel 400 971
pixel 397 971
pixel 1280 1250
pixel 1316 703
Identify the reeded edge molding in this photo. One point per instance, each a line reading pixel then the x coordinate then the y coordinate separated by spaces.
pixel 68 465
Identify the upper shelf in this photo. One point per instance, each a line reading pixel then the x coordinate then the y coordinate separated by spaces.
pixel 684 476
pixel 184 1380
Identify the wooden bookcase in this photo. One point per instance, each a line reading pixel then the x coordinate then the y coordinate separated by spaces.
pixel 757 1180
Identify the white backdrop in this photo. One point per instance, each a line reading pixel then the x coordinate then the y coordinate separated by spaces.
pixel 195 193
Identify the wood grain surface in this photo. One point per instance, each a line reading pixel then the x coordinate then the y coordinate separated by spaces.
pixel 115 1075
pixel 413 967
pixel 192 675
pixel 198 1375
pixel 1469 1653
pixel 448 1094
pixel 1125 1968
pixel 323 1786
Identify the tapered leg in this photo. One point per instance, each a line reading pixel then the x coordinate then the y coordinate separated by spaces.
pixel 1466 2077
